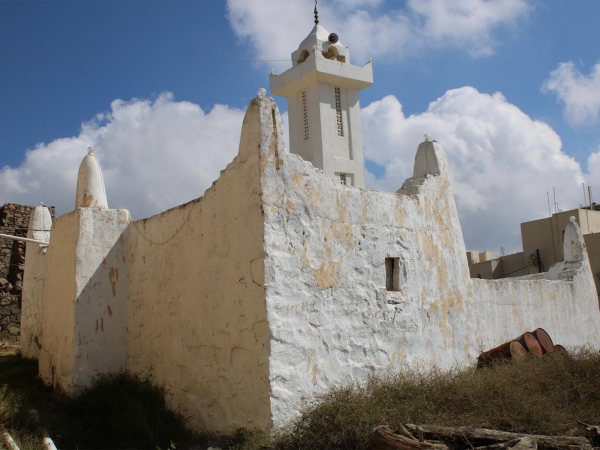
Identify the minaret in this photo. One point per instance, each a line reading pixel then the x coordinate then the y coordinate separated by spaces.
pixel 324 113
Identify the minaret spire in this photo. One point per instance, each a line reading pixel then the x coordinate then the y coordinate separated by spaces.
pixel 316 14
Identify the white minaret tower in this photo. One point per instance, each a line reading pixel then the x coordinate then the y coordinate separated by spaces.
pixel 322 91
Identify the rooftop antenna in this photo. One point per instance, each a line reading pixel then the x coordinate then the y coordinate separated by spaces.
pixel 316 14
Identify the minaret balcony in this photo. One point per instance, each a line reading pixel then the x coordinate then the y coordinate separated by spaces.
pixel 317 68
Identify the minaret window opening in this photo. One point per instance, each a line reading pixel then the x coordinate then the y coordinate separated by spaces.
pixel 303 56
pixel 305 113
pixel 343 178
pixel 338 112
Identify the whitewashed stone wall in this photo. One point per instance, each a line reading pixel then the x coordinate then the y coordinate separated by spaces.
pixel 272 287
pixel 332 319
pixel 197 316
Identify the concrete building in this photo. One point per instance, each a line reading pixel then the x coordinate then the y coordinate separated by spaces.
pixel 542 242
pixel 282 280
pixel 484 265
pixel 547 235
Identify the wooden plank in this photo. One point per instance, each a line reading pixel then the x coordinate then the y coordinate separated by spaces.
pixel 473 435
pixel 384 438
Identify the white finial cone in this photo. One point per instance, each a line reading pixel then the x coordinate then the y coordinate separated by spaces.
pixel 40 224
pixel 90 184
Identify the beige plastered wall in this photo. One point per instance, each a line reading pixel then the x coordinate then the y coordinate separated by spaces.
pixel 84 309
pixel 197 317
pixel 332 318
pixel 33 293
pixel 56 354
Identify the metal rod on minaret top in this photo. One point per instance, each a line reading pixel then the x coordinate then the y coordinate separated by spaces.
pixel 316 14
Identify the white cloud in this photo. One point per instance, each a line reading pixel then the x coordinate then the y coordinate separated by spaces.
pixel 580 93
pixel 161 153
pixel 502 162
pixel 593 164
pixel 154 155
pixel 376 27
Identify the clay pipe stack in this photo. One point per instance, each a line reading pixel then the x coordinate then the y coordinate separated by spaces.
pixel 535 343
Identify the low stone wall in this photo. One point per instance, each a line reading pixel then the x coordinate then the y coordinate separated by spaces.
pixel 14 220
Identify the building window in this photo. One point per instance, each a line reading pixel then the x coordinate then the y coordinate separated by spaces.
pixel 347 179
pixel 338 112
pixel 305 112
pixel 392 274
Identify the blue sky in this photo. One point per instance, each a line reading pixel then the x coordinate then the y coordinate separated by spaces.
pixel 422 53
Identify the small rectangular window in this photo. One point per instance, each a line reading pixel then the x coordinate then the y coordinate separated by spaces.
pixel 392 274
pixel 346 179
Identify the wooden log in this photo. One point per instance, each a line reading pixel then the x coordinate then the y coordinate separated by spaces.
pixel 544 339
pixel 485 436
pixel 384 438
pixel 503 445
pixel 525 443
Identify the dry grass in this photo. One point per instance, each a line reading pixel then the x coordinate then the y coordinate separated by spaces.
pixel 546 395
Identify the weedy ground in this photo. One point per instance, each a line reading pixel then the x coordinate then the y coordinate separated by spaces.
pixel 119 411
pixel 548 395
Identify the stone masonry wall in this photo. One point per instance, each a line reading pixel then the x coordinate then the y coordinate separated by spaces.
pixel 14 220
